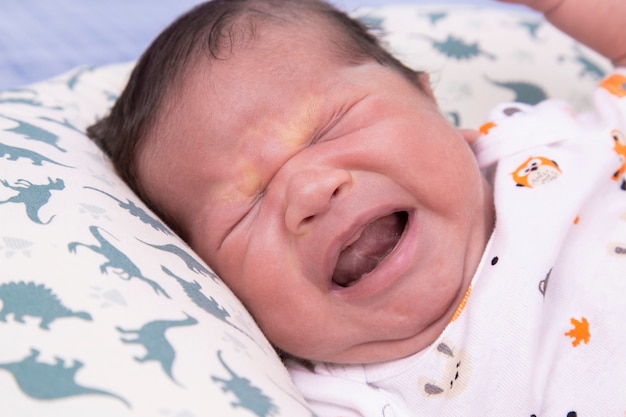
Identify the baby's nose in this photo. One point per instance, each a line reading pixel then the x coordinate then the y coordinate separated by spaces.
pixel 310 193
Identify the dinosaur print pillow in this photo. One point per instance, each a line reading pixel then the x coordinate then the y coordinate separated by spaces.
pixel 104 311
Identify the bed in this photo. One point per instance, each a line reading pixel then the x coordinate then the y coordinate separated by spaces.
pixel 104 311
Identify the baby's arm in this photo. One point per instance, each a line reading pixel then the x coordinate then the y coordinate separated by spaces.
pixel 599 24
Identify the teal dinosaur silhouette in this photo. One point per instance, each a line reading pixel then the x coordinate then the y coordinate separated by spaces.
pixel 457 48
pixel 115 260
pixel 111 96
pixel 373 23
pixel 455 118
pixel 435 17
pixel 193 291
pixel 249 396
pixel 192 263
pixel 524 92
pixel 137 211
pixel 30 299
pixel 43 381
pixel 588 67
pixel 33 196
pixel 152 337
pixel 65 123
pixel 24 100
pixel 32 132
pixel 73 80
pixel 15 153
pixel 13 245
pixel 208 304
pixel 532 26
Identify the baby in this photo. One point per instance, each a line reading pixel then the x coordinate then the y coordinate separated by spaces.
pixel 316 175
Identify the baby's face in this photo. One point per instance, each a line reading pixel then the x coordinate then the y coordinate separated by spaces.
pixel 335 200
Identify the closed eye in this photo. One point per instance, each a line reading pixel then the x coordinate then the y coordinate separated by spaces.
pixel 239 219
pixel 335 118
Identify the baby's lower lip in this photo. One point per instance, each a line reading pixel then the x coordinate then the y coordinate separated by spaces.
pixel 392 266
pixel 369 249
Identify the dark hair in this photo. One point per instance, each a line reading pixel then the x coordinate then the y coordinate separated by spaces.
pixel 210 30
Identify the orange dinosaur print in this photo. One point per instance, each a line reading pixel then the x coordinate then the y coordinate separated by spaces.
pixel 580 332
pixel 615 84
pixel 537 170
pixel 484 129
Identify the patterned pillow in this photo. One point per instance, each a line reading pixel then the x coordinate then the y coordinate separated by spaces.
pixel 105 312
pixel 103 307
pixel 479 57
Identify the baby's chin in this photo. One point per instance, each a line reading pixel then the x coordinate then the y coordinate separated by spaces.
pixel 408 333
pixel 381 350
pixel 377 352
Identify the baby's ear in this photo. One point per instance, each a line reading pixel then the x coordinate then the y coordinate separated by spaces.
pixel 423 79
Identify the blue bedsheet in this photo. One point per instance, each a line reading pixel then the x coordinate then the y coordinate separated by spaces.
pixel 42 38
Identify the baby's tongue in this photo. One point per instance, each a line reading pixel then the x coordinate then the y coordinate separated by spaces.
pixel 376 241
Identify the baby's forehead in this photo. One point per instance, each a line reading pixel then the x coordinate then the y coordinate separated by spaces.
pixel 284 33
pixel 273 51
pixel 277 55
pixel 280 47
pixel 314 35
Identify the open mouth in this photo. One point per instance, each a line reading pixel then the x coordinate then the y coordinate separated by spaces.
pixel 374 244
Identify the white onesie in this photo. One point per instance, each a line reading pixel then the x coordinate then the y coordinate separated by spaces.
pixel 542 329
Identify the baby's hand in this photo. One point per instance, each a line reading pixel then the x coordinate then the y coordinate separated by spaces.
pixel 601 25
